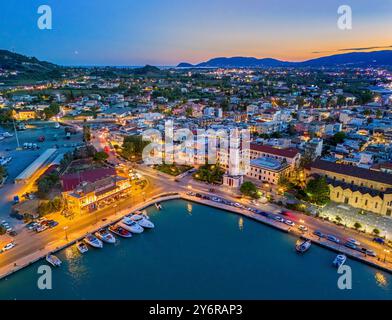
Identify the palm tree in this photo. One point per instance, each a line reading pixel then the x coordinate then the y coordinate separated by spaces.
pixel 376 231
pixel 357 226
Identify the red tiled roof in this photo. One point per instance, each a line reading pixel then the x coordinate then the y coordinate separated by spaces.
pixel 288 152
pixel 72 180
pixel 352 171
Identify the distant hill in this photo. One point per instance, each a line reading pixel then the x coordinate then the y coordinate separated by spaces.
pixel 360 59
pixel 28 67
pixel 147 70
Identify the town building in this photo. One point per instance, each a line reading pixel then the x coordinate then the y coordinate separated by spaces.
pixel 355 186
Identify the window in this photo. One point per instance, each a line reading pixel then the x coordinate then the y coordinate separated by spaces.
pixel 337 195
pixel 375 205
pixel 356 200
pixel 366 202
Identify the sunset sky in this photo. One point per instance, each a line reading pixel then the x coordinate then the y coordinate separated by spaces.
pixel 166 32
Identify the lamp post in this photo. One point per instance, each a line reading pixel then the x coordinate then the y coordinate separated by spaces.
pixel 385 254
pixel 66 234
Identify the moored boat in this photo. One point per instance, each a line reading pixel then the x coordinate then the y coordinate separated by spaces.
pixel 93 241
pixel 142 220
pixel 130 225
pixel 302 246
pixel 105 236
pixel 53 260
pixel 120 231
pixel 339 260
pixel 82 247
pixel 158 205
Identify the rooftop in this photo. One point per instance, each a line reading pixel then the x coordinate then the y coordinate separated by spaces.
pixel 287 152
pixel 353 171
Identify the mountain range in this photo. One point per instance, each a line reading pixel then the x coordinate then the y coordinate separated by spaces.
pixel 352 59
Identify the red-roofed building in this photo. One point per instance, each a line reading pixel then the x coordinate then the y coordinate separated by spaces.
pixel 72 180
pixel 290 155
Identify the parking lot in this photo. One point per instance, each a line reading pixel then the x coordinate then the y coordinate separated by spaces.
pixel 23 158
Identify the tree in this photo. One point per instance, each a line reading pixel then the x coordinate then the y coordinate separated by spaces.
pixel 52 110
pixel 248 188
pixel 376 231
pixel 3 173
pixel 133 147
pixel 318 191
pixel 2 230
pixel 86 133
pixel 210 173
pixel 357 225
pixel 338 137
pixel 379 113
pixel 46 184
pixel 338 219
pixel 100 156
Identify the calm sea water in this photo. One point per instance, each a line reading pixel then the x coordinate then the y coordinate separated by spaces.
pixel 197 252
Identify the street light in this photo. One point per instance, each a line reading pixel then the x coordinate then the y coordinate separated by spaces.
pixel 385 254
pixel 66 234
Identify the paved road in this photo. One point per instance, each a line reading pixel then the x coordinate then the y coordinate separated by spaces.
pixel 29 242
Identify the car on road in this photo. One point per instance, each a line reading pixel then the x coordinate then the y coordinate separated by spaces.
pixel 379 240
pixel 41 228
pixel 278 218
pixel 350 245
pixel 52 223
pixel 368 252
pixel 353 241
pixel 8 246
pixel 318 233
pixel 332 238
pixel 289 222
pixel 302 228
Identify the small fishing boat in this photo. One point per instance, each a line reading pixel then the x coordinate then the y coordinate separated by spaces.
pixel 105 236
pixel 93 241
pixel 339 260
pixel 82 247
pixel 158 206
pixel 302 246
pixel 142 220
pixel 116 229
pixel 130 225
pixel 53 260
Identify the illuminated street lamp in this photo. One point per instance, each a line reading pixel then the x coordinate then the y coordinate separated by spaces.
pixel 385 254
pixel 66 234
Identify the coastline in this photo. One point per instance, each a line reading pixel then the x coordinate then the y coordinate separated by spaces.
pixel 62 244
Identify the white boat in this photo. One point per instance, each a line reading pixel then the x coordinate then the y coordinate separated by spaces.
pixel 142 220
pixel 53 260
pixel 105 236
pixel 130 225
pixel 93 241
pixel 82 247
pixel 57 125
pixel 339 260
pixel 302 245
pixel 158 205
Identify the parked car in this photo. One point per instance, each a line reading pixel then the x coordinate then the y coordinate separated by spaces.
pixel 379 240
pixel 353 241
pixel 289 222
pixel 318 233
pixel 302 228
pixel 8 246
pixel 350 245
pixel 332 238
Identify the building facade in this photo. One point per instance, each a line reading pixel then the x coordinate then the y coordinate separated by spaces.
pixel 358 187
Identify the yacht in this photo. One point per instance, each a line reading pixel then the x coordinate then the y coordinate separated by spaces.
pixel 93 241
pixel 142 220
pixel 158 205
pixel 82 247
pixel 53 260
pixel 130 225
pixel 339 260
pixel 105 236
pixel 302 245
pixel 116 229
pixel 57 125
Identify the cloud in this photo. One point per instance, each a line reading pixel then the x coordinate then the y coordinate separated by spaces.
pixel 353 49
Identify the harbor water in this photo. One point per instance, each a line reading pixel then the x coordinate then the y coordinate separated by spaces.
pixel 199 252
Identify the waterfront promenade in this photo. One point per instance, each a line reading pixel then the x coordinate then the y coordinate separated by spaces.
pixel 32 247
